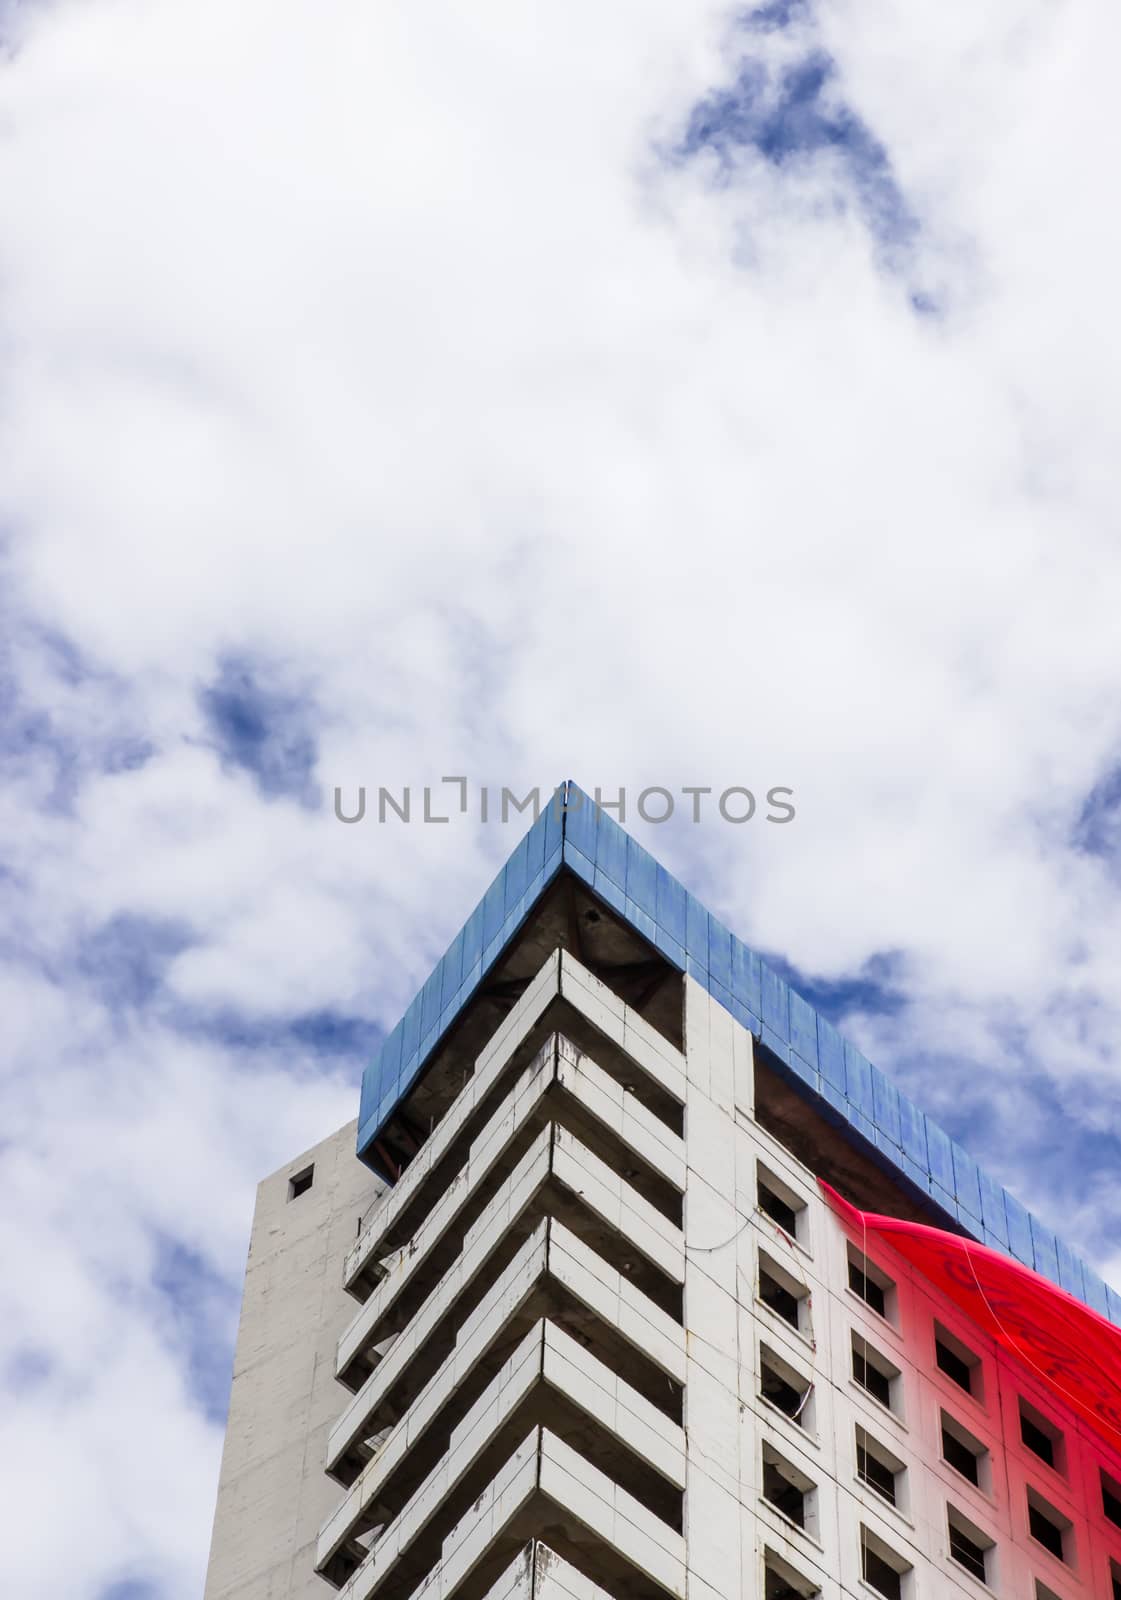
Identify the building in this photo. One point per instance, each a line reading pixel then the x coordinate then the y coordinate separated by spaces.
pixel 581 1321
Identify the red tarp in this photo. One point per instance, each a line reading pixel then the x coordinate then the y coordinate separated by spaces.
pixel 1069 1347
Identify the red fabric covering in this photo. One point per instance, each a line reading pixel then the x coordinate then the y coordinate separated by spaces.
pixel 1076 1352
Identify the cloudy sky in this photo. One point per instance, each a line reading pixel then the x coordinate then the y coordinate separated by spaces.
pixel 648 394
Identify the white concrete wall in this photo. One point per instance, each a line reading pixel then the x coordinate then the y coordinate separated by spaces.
pixel 272 1493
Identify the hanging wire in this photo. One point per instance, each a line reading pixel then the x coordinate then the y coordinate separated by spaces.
pixel 1023 1355
pixel 803 1403
pixel 708 1249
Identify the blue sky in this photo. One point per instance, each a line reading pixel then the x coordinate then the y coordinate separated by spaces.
pixel 703 395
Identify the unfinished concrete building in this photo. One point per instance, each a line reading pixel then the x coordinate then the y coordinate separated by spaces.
pixel 568 1314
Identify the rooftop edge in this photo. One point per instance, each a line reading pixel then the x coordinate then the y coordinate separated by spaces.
pixel 573 833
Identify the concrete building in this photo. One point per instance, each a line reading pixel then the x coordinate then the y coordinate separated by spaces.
pixel 578 1321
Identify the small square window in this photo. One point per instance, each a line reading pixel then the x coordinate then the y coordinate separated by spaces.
pixel 969 1547
pixel 785 1388
pixel 1115 1579
pixel 878 1468
pixel 875 1373
pixel 872 1285
pixel 882 1569
pixel 1048 1525
pixel 1042 1592
pixel 963 1452
pixel 1111 1498
pixel 961 1364
pixel 783 1294
pixel 789 1490
pixel 301 1183
pixel 1036 1440
pixel 1041 1436
pixel 779 1202
pixel 781 1582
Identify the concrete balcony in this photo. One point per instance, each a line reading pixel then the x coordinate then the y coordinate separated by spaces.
pixel 544 1487
pixel 550 1379
pixel 554 1271
pixel 521 1318
pixel 560 1085
pixel 556 1176
pixel 563 997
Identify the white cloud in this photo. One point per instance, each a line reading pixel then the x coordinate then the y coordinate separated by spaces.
pixel 391 352
pixel 121 1137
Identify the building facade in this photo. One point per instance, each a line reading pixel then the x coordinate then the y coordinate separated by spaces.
pixel 581 1322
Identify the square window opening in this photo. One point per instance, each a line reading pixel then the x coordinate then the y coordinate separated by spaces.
pixel 1115 1578
pixel 882 1568
pixel 1043 1592
pixel 782 1204
pixel 301 1182
pixel 964 1453
pixel 782 1582
pixel 783 1294
pixel 878 1468
pixel 1111 1498
pixel 786 1388
pixel 960 1364
pixel 871 1284
pixel 789 1491
pixel 1048 1526
pixel 1041 1436
pixel 875 1373
pixel 969 1546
